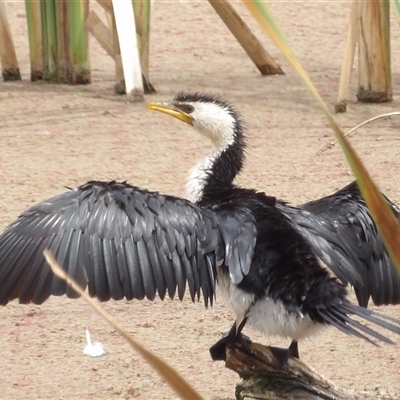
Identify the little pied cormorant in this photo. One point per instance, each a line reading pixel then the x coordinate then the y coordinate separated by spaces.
pixel 283 269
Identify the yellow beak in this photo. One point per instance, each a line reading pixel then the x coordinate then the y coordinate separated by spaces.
pixel 171 110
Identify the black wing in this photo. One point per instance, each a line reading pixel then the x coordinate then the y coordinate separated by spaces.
pixel 122 241
pixel 342 233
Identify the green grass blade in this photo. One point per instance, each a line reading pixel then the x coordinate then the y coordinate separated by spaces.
pixel 382 214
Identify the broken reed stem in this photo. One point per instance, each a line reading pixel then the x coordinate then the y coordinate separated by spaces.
pixel 374 70
pixel 10 69
pixel 79 68
pixel 252 46
pixel 65 42
pixel 49 37
pixel 125 23
pixel 142 9
pixel 62 31
pixel 33 19
pixel 348 59
pixel 119 86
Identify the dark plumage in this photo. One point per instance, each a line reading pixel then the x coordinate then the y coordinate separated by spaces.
pixel 120 241
pixel 283 269
pixel 344 236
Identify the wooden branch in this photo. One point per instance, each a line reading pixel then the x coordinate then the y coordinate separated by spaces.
pixel 263 61
pixel 263 378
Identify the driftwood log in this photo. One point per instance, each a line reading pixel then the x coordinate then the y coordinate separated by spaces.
pixel 264 379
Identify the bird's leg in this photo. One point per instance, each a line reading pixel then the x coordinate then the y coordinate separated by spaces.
pixel 283 355
pixel 218 350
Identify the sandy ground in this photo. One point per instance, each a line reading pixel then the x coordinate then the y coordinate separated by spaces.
pixel 56 136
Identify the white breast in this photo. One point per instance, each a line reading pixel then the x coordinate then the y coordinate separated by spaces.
pixel 267 316
pixel 273 319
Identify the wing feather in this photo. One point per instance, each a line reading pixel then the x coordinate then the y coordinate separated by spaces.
pixel 156 266
pixel 343 234
pixel 123 270
pixel 146 270
pixel 112 269
pixel 135 274
pixel 121 241
pixel 179 274
pixel 100 275
pixel 164 259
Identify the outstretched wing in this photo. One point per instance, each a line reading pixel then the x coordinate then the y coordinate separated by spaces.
pixel 342 233
pixel 121 241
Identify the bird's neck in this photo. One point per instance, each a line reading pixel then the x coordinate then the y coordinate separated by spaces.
pixel 216 172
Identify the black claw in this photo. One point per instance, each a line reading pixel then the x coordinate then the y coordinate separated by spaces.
pixel 218 350
pixel 294 349
pixel 283 355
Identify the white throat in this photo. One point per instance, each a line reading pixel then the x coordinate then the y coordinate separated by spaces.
pixel 214 122
pixel 199 175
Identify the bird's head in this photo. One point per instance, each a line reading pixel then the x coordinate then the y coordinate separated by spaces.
pixel 212 116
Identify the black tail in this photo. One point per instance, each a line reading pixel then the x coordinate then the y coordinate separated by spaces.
pixel 338 316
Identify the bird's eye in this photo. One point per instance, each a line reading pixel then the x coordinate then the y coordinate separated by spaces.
pixel 186 108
